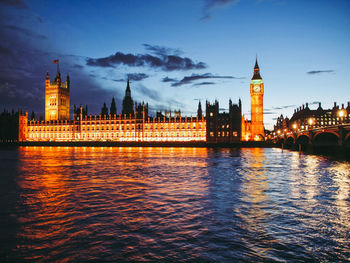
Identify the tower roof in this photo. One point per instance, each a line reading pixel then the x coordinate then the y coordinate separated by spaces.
pixel 256 74
pixel 58 77
pixel 128 86
pixel 256 63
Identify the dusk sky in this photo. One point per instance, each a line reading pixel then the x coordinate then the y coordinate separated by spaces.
pixel 177 52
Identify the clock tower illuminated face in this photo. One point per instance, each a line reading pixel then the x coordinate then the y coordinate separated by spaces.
pixel 256 88
pixel 256 100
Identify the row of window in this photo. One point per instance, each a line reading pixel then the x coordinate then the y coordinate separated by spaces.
pixel 113 135
pixel 115 127
pixel 223 134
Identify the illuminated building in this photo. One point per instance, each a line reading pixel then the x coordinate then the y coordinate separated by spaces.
pixel 132 125
pixel 256 99
pixel 254 129
pixel 305 119
pixel 246 129
pixel 57 98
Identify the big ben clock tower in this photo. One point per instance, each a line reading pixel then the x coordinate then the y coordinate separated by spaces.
pixel 256 100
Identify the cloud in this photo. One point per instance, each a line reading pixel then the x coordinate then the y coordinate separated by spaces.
pixel 283 107
pixel 23 65
pixel 130 76
pixel 210 5
pixel 167 79
pixel 152 94
pixel 14 3
pixel 162 60
pixel 194 77
pixel 319 71
pixel 137 76
pixel 314 103
pixel 266 112
pixel 5 51
pixel 77 66
pixel 162 51
pixel 24 31
pixel 204 83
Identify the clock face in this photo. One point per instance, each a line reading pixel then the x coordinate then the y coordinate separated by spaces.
pixel 256 88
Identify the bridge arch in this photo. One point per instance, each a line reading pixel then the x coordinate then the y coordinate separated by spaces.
pixel 347 140
pixel 280 142
pixel 303 139
pixel 347 137
pixel 289 142
pixel 326 138
pixel 326 131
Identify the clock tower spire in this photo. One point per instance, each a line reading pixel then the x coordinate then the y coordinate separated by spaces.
pixel 256 102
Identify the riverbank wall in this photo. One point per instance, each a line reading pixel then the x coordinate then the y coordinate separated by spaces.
pixel 141 144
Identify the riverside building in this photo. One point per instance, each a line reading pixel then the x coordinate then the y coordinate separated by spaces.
pixel 135 125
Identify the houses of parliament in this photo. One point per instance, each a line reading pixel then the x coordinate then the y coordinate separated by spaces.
pixel 134 123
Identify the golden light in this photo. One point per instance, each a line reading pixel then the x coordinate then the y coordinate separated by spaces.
pixel 310 121
pixel 257 138
pixel 188 130
pixel 341 113
pixel 278 131
pixel 294 126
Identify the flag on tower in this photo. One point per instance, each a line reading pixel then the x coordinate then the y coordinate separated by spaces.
pixel 55 61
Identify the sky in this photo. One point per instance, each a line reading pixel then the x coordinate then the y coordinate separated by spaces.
pixel 176 53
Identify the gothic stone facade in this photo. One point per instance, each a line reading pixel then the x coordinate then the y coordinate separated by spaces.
pixel 133 125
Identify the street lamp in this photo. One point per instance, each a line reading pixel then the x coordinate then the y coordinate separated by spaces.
pixel 341 114
pixel 310 121
pixel 294 126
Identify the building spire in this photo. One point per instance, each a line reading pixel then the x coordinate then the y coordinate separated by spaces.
pixel 199 110
pixel 256 62
pixel 128 104
pixel 256 74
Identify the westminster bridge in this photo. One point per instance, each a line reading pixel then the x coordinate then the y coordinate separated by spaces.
pixel 331 137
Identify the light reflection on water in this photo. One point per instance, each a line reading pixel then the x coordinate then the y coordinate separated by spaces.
pixel 86 203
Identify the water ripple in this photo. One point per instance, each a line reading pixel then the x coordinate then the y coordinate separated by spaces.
pixel 172 204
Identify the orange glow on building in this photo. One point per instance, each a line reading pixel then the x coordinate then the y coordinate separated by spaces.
pixel 254 130
pixel 119 129
pixel 246 129
pixel 57 98
pixel 133 125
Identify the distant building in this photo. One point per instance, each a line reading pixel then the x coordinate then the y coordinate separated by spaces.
pixel 223 127
pixel 282 123
pixel 304 118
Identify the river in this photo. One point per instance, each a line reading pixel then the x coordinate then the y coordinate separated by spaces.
pixel 172 204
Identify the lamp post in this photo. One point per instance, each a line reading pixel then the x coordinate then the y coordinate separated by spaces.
pixel 341 115
pixel 311 122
